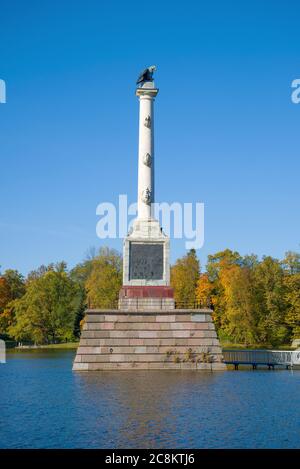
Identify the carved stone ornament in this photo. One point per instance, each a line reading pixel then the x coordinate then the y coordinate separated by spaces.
pixel 146 196
pixel 147 122
pixel 147 160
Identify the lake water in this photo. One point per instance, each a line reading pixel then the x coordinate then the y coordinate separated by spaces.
pixel 45 405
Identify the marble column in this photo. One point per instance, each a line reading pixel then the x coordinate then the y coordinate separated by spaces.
pixel 146 248
pixel 146 94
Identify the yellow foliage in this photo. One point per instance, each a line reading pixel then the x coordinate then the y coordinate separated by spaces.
pixel 204 290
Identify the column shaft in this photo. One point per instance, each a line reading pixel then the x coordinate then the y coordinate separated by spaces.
pixel 146 153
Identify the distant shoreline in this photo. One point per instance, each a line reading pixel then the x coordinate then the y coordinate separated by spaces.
pixel 74 346
pixel 66 345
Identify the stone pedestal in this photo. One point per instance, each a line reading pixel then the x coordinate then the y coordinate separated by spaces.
pixel 169 340
pixel 147 298
pixel 146 253
pixel 146 268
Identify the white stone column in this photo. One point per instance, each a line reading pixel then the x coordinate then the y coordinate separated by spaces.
pixel 146 94
pixel 139 268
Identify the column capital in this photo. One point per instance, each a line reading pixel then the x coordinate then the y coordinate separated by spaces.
pixel 146 92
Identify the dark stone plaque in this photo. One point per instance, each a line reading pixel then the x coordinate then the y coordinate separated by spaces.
pixel 146 261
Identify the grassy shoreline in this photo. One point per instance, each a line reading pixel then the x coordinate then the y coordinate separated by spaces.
pixel 224 344
pixel 64 345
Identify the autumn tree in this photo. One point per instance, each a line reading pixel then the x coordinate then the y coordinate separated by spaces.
pixel 184 278
pixel 217 264
pixel 270 293
pixel 104 278
pixel 291 262
pixel 12 287
pixel 46 312
pixel 205 291
pixel 292 297
pixel 220 261
pixel 40 271
pixel 5 293
pixel 239 316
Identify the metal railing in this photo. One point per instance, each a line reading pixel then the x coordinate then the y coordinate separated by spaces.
pixel 269 358
pixel 144 303
pixel 193 305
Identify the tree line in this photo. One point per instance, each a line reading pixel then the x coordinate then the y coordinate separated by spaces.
pixel 48 305
pixel 254 301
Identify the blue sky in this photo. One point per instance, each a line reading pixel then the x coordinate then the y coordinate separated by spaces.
pixel 227 132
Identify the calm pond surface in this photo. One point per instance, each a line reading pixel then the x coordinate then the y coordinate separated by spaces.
pixel 45 405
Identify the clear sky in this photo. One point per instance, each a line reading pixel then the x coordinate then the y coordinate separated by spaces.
pixel 227 132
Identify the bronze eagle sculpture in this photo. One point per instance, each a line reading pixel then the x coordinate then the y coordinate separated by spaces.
pixel 146 75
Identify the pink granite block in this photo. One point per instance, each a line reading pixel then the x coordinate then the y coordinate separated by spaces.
pixel 182 325
pixel 148 334
pixel 124 334
pixel 141 349
pixel 95 318
pixel 181 333
pixel 182 318
pixel 197 334
pixel 165 318
pixel 80 366
pixel 87 350
pixel 136 341
pixel 116 358
pixel 94 334
pixel 108 325
pixel 115 342
pixel 164 334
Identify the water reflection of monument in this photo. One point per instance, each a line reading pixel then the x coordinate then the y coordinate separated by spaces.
pixel 150 409
pixel 147 331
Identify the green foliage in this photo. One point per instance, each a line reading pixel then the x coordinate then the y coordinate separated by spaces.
pixel 291 262
pixel 16 283
pixel 269 288
pixel 254 302
pixel 12 287
pixel 221 260
pixel 47 311
pixel 105 279
pixel 238 318
pixel 184 278
pixel 215 281
pixel 81 307
pixel 49 306
pixel 292 296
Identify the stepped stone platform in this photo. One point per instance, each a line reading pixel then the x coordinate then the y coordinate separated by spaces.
pixel 176 339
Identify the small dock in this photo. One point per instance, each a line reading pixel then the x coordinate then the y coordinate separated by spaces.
pixel 269 358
